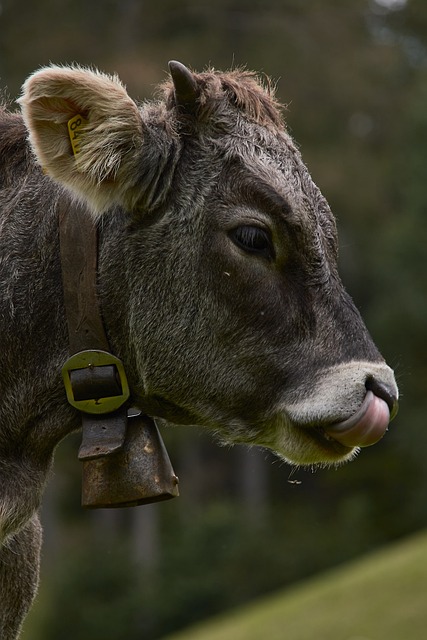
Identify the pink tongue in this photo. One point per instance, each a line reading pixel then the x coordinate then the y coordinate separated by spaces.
pixel 365 427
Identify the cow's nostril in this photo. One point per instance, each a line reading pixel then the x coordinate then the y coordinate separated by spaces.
pixel 384 391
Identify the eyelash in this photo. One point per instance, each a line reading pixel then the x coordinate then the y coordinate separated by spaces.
pixel 253 240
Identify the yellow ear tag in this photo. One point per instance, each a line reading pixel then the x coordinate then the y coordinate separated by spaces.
pixel 75 131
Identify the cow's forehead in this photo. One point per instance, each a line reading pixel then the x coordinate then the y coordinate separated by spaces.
pixel 256 156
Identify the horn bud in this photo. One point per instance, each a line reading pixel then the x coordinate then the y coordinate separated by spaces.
pixel 186 88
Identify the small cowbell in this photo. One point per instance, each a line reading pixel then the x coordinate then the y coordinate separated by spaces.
pixel 139 472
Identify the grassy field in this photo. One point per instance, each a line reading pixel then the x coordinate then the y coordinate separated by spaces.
pixel 378 597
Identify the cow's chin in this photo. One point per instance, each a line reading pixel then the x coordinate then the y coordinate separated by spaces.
pixel 309 446
pixel 296 445
pixel 303 446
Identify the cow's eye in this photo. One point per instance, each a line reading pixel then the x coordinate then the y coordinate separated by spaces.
pixel 253 240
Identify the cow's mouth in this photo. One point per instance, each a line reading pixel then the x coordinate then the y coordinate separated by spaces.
pixel 365 427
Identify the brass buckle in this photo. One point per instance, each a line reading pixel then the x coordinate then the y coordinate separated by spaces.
pixel 86 365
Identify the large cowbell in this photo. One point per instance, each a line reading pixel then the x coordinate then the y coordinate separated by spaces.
pixel 139 472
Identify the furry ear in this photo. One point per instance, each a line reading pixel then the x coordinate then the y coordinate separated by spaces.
pixel 89 135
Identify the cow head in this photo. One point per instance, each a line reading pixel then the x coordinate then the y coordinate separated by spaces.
pixel 218 264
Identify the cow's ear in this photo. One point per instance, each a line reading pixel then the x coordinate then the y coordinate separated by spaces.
pixel 89 135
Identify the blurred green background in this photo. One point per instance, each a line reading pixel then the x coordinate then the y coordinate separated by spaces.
pixel 354 77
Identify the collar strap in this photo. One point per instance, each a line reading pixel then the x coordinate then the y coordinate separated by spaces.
pixel 79 261
pixel 94 379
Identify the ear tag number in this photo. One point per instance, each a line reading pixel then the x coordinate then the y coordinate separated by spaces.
pixel 75 132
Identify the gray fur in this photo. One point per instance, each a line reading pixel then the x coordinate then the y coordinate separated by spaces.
pixel 209 334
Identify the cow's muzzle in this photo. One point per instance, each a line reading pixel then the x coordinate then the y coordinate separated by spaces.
pixel 370 422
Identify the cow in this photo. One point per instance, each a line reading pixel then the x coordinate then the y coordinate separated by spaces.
pixel 217 280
